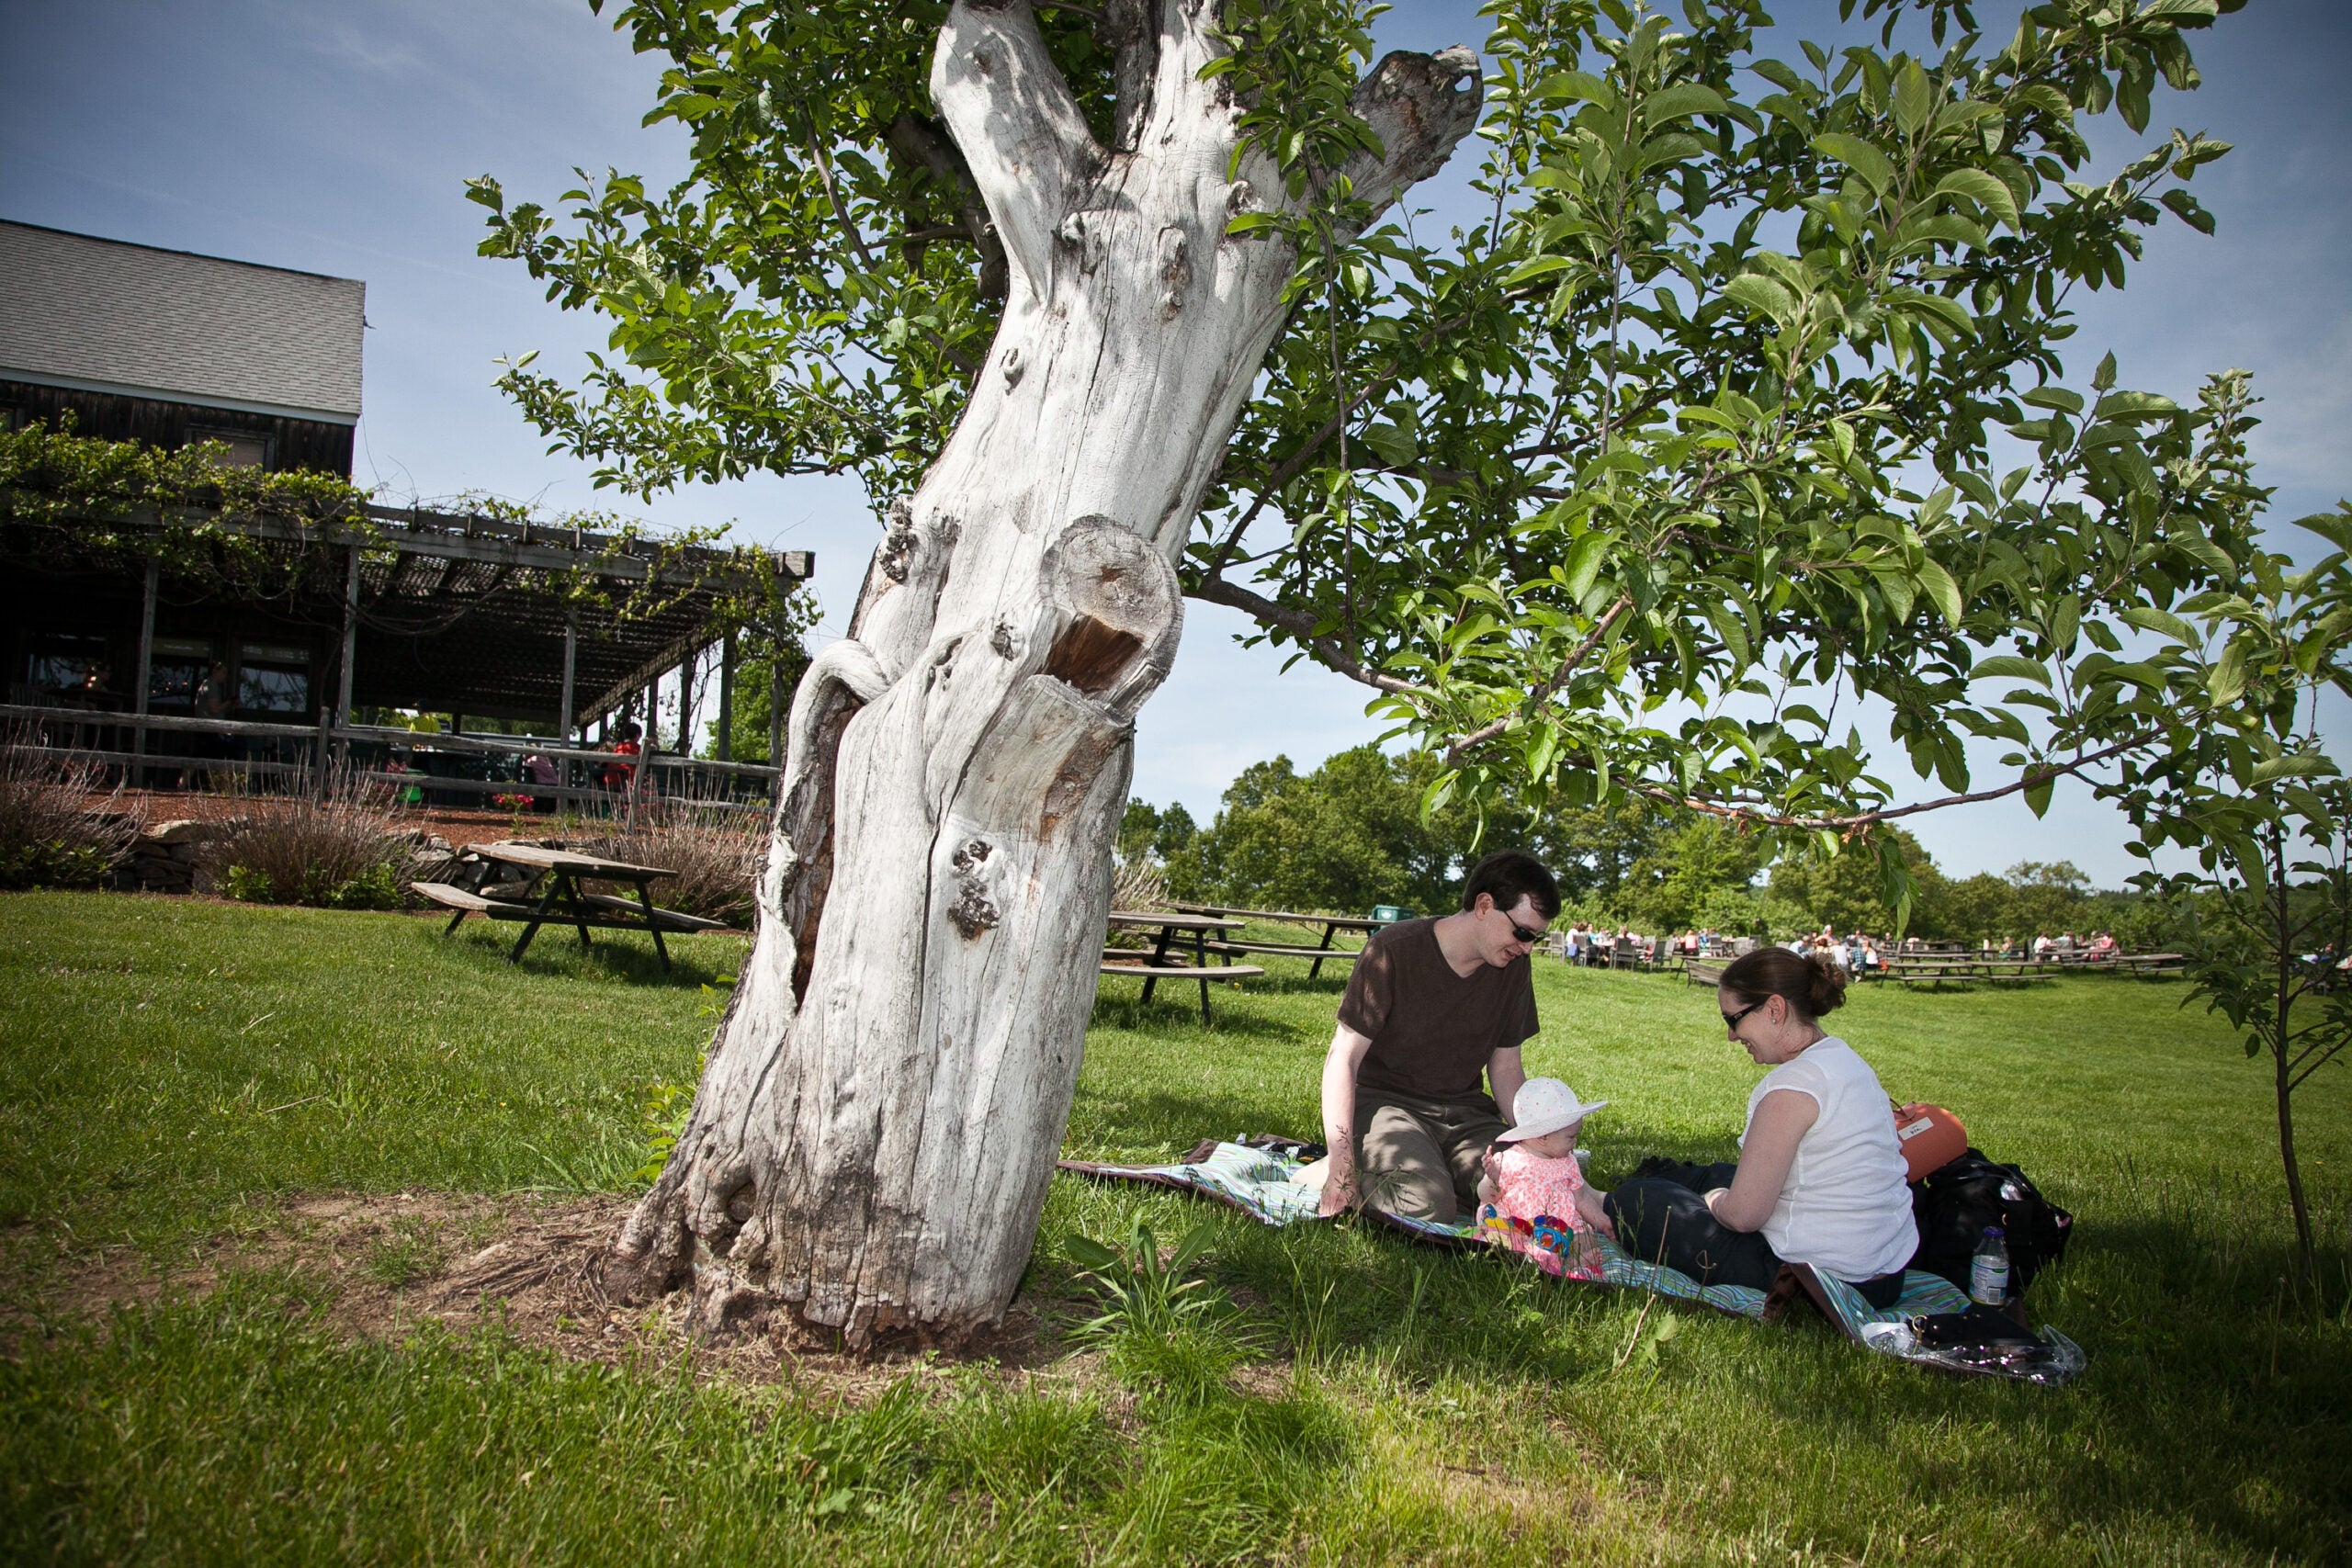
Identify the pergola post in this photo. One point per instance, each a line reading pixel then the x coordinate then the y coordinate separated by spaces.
pixel 146 666
pixel 648 788
pixel 686 703
pixel 319 762
pixel 345 664
pixel 571 665
pixel 727 697
pixel 343 670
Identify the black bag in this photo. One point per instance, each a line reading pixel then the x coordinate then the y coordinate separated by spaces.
pixel 1954 1203
pixel 1979 1327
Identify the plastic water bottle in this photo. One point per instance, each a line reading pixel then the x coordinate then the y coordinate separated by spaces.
pixel 1989 1270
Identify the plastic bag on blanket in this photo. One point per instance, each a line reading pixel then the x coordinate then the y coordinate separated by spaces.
pixel 1933 1325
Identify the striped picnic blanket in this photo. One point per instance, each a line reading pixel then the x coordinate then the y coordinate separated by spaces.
pixel 1258 1182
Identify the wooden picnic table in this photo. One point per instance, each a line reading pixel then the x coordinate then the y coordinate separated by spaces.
pixel 564 902
pixel 1161 964
pixel 1934 969
pixel 1332 926
pixel 1911 969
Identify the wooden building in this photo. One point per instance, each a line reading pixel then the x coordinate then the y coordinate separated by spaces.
pixel 386 608
pixel 166 347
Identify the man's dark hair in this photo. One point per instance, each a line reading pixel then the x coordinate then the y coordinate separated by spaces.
pixel 1510 876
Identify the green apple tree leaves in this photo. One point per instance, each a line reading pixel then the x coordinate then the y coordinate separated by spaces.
pixel 1747 400
pixel 1743 398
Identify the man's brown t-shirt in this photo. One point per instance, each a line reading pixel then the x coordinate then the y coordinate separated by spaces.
pixel 1432 1031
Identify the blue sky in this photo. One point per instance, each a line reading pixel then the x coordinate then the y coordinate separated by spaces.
pixel 336 136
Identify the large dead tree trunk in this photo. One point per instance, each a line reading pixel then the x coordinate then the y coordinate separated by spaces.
pixel 872 1140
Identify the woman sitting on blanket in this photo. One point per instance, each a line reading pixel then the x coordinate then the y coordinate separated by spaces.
pixel 1534 1198
pixel 1820 1176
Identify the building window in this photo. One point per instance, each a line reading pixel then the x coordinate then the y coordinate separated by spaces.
pixel 273 678
pixel 246 450
pixel 175 670
pixel 69 666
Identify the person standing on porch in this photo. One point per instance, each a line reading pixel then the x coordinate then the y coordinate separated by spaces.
pixel 616 774
pixel 1427 1050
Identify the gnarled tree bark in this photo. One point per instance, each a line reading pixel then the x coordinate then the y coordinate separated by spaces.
pixel 870 1145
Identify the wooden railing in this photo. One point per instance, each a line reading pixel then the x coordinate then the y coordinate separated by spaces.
pixel 124 741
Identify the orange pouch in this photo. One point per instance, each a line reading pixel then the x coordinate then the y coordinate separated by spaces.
pixel 1930 1137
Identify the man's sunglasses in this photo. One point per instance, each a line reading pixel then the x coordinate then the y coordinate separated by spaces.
pixel 1731 1020
pixel 1522 933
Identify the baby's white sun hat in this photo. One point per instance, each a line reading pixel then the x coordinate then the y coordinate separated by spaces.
pixel 1545 1105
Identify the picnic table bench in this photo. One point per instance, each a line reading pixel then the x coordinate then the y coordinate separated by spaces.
pixel 1160 964
pixel 1913 970
pixel 564 901
pixel 1960 972
pixel 1332 926
pixel 1704 971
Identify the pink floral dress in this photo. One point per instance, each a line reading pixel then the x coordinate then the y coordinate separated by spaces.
pixel 1536 1213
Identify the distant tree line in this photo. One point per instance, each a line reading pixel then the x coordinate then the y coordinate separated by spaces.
pixel 1351 835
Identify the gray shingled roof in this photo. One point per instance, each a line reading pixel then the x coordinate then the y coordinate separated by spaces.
pixel 78 310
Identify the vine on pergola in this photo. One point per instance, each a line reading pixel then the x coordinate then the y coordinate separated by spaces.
pixel 81 501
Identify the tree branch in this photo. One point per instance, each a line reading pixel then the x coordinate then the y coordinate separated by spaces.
pixel 1130 29
pixel 1737 810
pixel 1301 626
pixel 917 142
pixel 1290 468
pixel 1019 129
pixel 1591 640
pixel 1296 464
pixel 840 213
pixel 1420 105
pixel 2297 1081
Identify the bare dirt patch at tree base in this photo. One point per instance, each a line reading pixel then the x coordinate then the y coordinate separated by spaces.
pixel 382 1264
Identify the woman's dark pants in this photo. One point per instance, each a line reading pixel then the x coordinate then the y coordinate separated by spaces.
pixel 1662 1217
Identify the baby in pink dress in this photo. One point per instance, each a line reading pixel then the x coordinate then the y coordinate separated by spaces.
pixel 1534 1198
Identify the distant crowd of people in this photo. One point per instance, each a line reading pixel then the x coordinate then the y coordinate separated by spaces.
pixel 1583 942
pixel 1857 953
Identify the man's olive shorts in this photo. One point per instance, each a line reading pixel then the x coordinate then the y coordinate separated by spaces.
pixel 1421 1157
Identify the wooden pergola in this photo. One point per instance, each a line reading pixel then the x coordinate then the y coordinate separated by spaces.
pixel 400 608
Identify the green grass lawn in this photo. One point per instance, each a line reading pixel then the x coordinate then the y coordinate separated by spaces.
pixel 180 1069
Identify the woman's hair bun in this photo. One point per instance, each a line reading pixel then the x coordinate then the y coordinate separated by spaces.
pixel 1828 991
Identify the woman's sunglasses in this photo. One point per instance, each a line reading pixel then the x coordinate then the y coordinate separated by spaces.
pixel 1731 1020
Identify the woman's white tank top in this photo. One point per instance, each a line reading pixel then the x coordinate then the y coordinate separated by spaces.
pixel 1845 1208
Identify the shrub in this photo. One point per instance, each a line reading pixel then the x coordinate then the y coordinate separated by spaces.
pixel 1139 883
pixel 49 835
pixel 379 887
pixel 347 851
pixel 716 854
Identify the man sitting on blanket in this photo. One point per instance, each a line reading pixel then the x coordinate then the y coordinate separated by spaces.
pixel 1434 1005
